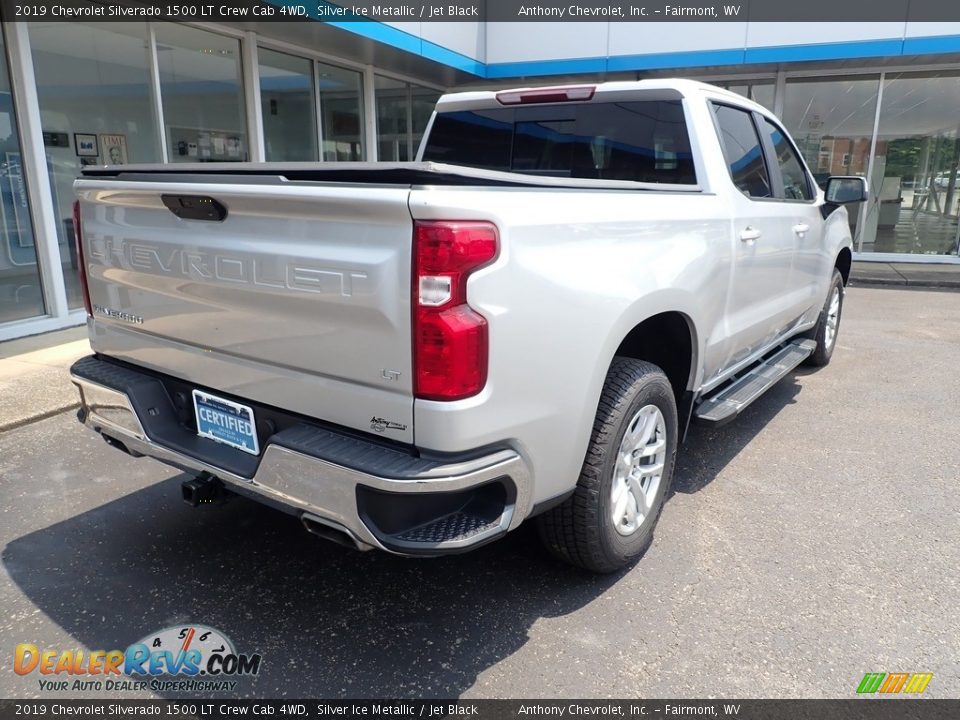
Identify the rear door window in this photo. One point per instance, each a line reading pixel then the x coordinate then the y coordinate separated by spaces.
pixel 796 185
pixel 643 141
pixel 743 151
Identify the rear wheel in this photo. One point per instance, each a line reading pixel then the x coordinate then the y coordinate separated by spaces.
pixel 608 522
pixel 828 325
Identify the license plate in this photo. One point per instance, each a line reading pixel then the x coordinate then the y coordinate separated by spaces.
pixel 226 422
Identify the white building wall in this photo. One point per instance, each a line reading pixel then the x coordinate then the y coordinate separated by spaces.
pixel 615 46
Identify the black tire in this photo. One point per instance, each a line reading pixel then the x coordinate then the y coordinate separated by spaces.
pixel 582 530
pixel 821 356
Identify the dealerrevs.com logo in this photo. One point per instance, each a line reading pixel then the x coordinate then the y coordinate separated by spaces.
pixel 180 658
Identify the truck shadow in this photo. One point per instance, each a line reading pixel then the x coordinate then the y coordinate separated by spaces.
pixel 328 621
pixel 708 450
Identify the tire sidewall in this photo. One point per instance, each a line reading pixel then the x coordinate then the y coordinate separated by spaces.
pixel 648 390
pixel 836 284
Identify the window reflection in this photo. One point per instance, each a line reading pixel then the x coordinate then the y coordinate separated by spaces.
pixel 21 295
pixel 287 106
pixel 403 111
pixel 831 120
pixel 915 189
pixel 341 103
pixel 95 108
pixel 201 94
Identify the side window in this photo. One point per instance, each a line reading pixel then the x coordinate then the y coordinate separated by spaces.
pixel 743 152
pixel 796 186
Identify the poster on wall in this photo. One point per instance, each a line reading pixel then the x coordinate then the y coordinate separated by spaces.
pixel 194 144
pixel 114 149
pixel 86 144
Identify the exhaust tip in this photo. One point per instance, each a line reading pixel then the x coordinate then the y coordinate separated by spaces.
pixel 333 532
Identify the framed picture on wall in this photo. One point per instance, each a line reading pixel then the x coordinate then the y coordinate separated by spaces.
pixel 86 145
pixel 114 149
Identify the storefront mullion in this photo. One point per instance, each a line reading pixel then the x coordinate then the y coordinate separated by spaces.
pixel 156 102
pixel 317 104
pixel 251 89
pixel 865 207
pixel 38 197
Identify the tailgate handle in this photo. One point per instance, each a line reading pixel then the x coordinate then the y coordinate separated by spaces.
pixel 195 207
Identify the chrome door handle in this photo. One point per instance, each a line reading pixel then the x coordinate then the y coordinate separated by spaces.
pixel 801 228
pixel 749 234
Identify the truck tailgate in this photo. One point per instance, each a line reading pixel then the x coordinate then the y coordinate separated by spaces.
pixel 299 298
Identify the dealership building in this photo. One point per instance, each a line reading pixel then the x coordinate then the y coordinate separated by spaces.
pixel 881 100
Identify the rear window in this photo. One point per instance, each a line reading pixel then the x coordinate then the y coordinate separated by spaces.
pixel 643 141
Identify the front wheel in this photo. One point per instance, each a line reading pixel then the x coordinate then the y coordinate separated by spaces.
pixel 828 324
pixel 608 521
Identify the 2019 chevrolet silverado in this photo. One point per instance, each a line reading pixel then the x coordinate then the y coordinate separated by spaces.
pixel 418 357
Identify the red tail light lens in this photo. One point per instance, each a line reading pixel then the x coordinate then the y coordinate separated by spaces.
pixel 450 346
pixel 78 241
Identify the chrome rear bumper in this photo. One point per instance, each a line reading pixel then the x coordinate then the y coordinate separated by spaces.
pixel 316 488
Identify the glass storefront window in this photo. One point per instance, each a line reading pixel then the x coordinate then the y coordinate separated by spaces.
pixel 341 108
pixel 831 120
pixel 95 108
pixel 423 101
pixel 403 111
pixel 202 95
pixel 393 105
pixel 760 91
pixel 21 295
pixel 288 107
pixel 915 189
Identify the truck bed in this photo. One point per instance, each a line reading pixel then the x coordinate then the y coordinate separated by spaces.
pixel 409 174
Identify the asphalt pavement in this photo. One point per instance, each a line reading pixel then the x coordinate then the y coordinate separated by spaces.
pixel 812 541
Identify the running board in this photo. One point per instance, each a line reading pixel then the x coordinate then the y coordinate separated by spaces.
pixel 729 402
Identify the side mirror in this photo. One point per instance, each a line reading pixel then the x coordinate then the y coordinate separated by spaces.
pixel 842 189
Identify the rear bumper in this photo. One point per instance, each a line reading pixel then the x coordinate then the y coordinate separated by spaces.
pixel 379 496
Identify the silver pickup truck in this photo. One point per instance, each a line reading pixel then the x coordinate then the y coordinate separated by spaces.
pixel 418 357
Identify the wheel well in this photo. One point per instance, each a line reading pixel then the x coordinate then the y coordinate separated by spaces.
pixel 666 341
pixel 844 260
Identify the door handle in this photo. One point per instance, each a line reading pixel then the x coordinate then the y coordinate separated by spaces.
pixel 801 228
pixel 749 234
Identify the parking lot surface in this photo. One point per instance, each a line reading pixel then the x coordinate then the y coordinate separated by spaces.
pixel 812 541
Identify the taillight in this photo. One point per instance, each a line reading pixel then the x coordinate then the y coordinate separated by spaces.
pixel 449 337
pixel 570 93
pixel 78 240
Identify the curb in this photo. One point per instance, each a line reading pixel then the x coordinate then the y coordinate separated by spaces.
pixel 37 417
pixel 952 285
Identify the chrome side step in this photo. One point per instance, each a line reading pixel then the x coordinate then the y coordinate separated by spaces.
pixel 730 401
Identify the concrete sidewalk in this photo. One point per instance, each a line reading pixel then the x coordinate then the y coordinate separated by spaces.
pixel 34 383
pixel 906 274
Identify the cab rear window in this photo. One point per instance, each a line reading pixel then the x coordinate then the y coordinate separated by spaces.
pixel 642 141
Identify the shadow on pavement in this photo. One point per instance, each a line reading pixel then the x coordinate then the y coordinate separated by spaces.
pixel 329 622
pixel 707 451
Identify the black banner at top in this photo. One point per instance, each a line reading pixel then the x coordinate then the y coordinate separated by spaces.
pixel 642 11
